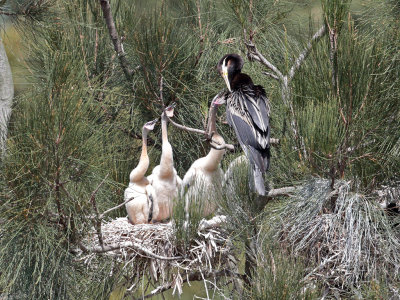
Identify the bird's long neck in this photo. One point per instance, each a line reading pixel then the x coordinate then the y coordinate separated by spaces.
pixel 167 160
pixel 137 174
pixel 214 157
pixel 212 119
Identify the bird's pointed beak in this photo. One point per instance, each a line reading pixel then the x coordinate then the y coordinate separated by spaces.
pixel 169 111
pixel 224 74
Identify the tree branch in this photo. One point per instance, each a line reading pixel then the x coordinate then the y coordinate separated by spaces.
pixel 101 216
pixel 285 191
pixel 105 6
pixel 136 246
pixel 271 75
pixel 303 55
pixel 203 132
pixel 253 53
pixel 7 13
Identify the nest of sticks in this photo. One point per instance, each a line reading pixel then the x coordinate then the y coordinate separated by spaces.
pixel 153 250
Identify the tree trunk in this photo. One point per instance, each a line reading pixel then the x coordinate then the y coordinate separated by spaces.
pixel 6 95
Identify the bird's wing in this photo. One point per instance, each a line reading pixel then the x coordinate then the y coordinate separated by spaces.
pixel 257 106
pixel 251 124
pixel 247 138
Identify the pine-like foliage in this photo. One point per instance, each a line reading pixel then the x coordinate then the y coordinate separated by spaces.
pixel 75 133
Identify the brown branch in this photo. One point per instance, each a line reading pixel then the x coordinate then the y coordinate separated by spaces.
pixel 105 6
pixel 7 13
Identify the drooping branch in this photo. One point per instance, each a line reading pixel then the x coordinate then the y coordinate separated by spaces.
pixel 118 47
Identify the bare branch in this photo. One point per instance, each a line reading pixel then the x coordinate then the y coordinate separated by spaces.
pixel 253 53
pixel 303 55
pixel 270 75
pixel 285 191
pixel 105 6
pixel 136 246
pixel 203 132
pixel 101 216
pixel 7 13
pixel 212 223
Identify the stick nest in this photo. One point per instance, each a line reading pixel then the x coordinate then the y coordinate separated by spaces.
pixel 153 249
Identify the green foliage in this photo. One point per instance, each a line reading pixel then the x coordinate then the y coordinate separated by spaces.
pixel 280 276
pixel 81 120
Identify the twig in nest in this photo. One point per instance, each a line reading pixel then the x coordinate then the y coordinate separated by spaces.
pixel 117 246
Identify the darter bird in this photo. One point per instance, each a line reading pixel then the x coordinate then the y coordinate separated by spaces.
pixel 164 178
pixel 247 111
pixel 139 189
pixel 202 179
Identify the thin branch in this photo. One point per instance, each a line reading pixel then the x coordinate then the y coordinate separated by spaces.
pixel 303 55
pixel 136 246
pixel 101 216
pixel 105 6
pixel 270 75
pixel 203 132
pixel 98 219
pixel 7 13
pixel 256 55
pixel 196 276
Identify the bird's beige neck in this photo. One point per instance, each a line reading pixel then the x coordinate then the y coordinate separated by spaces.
pixel 138 173
pixel 214 157
pixel 212 119
pixel 167 160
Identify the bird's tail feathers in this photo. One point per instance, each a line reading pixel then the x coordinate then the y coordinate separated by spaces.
pixel 259 181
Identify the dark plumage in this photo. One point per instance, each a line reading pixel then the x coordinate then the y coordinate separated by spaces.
pixel 247 112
